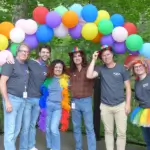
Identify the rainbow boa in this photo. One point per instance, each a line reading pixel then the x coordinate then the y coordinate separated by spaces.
pixel 65 103
pixel 141 117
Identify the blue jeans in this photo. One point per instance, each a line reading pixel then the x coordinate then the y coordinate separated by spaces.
pixel 83 106
pixel 30 116
pixel 146 135
pixel 52 125
pixel 12 121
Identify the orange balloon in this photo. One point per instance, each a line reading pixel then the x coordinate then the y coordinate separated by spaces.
pixel 5 28
pixel 98 38
pixel 70 19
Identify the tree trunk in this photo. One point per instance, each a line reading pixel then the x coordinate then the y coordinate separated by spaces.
pixel 20 10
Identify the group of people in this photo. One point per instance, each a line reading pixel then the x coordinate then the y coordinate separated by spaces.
pixel 22 80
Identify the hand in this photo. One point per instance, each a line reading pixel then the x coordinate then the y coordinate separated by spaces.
pixel 127 109
pixel 8 106
pixel 95 55
pixel 10 59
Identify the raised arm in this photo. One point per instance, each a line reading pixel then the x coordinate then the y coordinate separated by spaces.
pixel 91 74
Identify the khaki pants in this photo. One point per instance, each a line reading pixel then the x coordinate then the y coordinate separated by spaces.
pixel 114 115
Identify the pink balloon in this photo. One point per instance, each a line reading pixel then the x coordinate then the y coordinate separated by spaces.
pixel 3 56
pixel 119 34
pixel 82 22
pixel 21 24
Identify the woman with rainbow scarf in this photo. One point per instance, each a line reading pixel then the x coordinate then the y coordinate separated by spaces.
pixel 140 116
pixel 55 104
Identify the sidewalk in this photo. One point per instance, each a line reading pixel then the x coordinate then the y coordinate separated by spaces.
pixel 67 143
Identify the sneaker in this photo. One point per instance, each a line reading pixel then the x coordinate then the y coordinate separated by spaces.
pixel 34 148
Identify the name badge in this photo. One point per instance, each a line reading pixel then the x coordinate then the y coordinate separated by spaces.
pixel 25 94
pixel 73 105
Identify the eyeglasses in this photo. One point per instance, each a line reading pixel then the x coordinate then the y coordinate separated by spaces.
pixel 139 66
pixel 23 51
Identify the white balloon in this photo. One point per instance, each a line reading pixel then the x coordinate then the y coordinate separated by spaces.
pixel 17 35
pixel 119 34
pixel 61 31
pixel 3 56
pixel 20 23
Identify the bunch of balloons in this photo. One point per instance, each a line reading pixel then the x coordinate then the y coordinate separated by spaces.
pixel 76 21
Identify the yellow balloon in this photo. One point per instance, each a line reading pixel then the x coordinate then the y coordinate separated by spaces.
pixel 89 31
pixel 3 42
pixel 102 14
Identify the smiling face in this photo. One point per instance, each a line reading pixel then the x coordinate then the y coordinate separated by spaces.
pixel 139 69
pixel 77 58
pixel 44 54
pixel 58 69
pixel 107 57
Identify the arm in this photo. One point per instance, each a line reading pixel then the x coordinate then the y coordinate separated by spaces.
pixel 128 96
pixel 91 74
pixel 3 88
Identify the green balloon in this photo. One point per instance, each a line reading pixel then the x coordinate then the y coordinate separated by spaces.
pixel 105 26
pixel 61 10
pixel 134 42
pixel 13 48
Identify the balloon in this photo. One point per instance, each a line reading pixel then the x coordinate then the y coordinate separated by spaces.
pixel 44 34
pixel 17 35
pixel 107 40
pixel 97 38
pixel 119 48
pixel 130 27
pixel 31 41
pixel 119 34
pixel 102 14
pixel 133 52
pixel 70 19
pixel 77 8
pixel 75 32
pixel 134 42
pixel 105 26
pixel 117 20
pixel 0 69
pixel 61 31
pixel 21 23
pixel 53 19
pixel 3 56
pixel 39 14
pixel 129 59
pixel 61 10
pixel 89 31
pixel 145 50
pixel 13 48
pixel 89 13
pixel 5 28
pixel 81 21
pixel 30 27
pixel 3 42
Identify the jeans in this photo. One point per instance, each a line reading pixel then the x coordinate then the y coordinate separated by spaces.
pixel 146 135
pixel 52 125
pixel 30 116
pixel 12 121
pixel 111 116
pixel 83 106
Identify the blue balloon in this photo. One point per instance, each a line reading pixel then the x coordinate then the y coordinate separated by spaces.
pixel 145 50
pixel 76 8
pixel 117 20
pixel 89 13
pixel 44 34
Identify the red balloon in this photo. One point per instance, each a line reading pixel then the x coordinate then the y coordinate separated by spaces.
pixel 39 14
pixel 130 27
pixel 128 60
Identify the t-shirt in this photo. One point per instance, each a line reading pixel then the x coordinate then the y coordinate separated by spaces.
pixel 112 84
pixel 37 76
pixel 18 74
pixel 142 92
pixel 55 91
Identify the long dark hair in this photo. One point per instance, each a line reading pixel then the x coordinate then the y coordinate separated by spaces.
pixel 52 66
pixel 72 64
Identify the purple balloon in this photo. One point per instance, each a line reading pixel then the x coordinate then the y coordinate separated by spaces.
pixel 119 48
pixel 107 40
pixel 53 19
pixel 133 52
pixel 75 32
pixel 31 40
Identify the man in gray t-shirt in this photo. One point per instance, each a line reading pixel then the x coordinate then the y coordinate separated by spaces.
pixel 113 106
pixel 14 82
